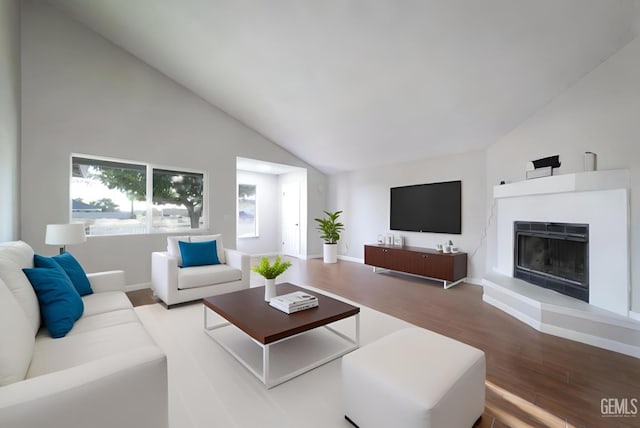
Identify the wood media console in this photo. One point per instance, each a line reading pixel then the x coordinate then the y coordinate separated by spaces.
pixel 450 268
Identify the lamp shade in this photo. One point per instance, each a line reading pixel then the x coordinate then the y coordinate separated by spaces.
pixel 65 234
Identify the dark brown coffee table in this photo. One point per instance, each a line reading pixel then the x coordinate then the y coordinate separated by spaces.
pixel 267 326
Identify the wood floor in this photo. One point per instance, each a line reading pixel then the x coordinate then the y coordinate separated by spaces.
pixel 533 379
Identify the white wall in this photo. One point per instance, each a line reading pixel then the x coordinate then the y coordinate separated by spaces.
pixel 268 199
pixel 364 197
pixel 82 94
pixel 600 114
pixel 9 120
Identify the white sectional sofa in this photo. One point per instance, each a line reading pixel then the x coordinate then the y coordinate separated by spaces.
pixel 175 284
pixel 106 372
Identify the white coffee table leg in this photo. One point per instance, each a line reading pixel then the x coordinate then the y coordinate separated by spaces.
pixel 265 365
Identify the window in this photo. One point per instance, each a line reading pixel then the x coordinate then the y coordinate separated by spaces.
pixel 113 197
pixel 247 213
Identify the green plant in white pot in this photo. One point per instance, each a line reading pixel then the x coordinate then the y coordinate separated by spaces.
pixel 270 272
pixel 330 228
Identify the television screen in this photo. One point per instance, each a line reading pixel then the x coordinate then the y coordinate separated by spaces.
pixel 433 207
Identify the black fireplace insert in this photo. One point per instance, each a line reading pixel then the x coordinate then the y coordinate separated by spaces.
pixel 553 256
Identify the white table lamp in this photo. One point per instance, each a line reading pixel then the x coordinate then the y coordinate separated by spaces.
pixel 65 234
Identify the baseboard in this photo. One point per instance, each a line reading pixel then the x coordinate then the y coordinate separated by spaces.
pixel 474 281
pixel 351 259
pixel 134 287
pixel 634 315
pixel 261 255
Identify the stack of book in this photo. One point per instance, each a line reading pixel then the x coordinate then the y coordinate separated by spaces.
pixel 294 302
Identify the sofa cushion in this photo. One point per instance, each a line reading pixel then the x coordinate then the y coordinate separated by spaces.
pixel 60 303
pixel 19 285
pixel 219 243
pixel 199 276
pixel 51 355
pixel 105 319
pixel 98 303
pixel 198 253
pixel 172 246
pixel 17 338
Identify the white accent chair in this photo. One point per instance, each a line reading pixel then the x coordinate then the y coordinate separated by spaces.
pixel 174 284
pixel 106 372
pixel 414 378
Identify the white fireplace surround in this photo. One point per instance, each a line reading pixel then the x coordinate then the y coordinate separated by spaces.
pixel 599 199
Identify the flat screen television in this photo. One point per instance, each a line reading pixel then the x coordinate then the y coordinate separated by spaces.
pixel 432 207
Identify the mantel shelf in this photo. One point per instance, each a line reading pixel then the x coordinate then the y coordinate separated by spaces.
pixel 577 182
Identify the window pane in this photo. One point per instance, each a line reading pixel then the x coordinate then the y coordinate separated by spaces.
pixel 247 214
pixel 108 197
pixel 177 200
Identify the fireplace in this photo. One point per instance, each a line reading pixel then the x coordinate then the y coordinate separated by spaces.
pixel 553 256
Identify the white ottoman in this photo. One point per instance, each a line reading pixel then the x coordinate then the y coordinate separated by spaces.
pixel 414 378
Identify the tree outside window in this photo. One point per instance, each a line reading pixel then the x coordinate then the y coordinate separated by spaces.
pixel 110 197
pixel 179 189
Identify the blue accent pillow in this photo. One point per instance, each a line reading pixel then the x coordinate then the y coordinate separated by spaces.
pixel 71 267
pixel 76 274
pixel 198 253
pixel 60 303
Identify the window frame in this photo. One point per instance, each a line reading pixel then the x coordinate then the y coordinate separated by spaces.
pixel 256 233
pixel 149 170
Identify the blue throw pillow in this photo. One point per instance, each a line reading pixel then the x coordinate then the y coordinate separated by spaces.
pixel 198 253
pixel 71 267
pixel 60 303
pixel 76 274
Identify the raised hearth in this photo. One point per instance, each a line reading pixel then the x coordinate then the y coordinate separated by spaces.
pixel 550 312
pixel 599 200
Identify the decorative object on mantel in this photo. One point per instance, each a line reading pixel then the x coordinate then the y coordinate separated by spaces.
pixel 590 161
pixel 546 171
pixel 270 272
pixel 398 241
pixel 552 161
pixel 542 167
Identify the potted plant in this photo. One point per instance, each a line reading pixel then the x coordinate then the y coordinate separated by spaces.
pixel 270 272
pixel 330 228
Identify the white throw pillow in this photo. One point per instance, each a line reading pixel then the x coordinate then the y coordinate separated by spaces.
pixel 18 284
pixel 18 252
pixel 17 338
pixel 174 249
pixel 14 256
pixel 219 243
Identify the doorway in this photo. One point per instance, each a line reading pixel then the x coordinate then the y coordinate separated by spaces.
pixel 280 208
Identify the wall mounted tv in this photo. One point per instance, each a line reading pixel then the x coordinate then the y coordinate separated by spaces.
pixel 432 207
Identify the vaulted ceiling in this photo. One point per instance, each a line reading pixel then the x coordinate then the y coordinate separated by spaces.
pixel 351 84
